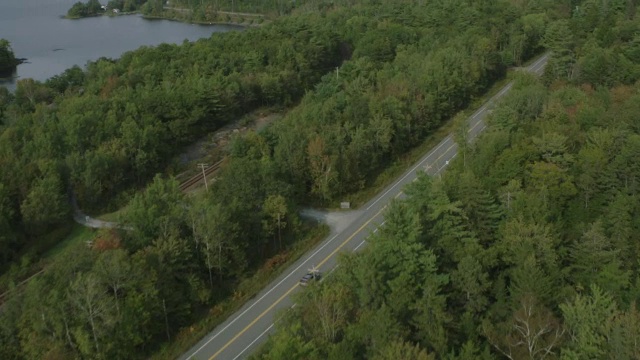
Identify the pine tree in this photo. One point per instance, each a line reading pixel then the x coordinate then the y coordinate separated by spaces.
pixel 595 261
pixel 480 206
pixel 619 228
pixel 588 320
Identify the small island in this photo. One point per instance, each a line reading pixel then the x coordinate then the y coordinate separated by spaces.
pixel 94 8
pixel 8 60
pixel 80 9
pixel 163 9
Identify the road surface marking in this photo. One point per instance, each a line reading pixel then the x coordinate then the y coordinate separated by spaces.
pixel 445 140
pixel 352 236
pixel 254 341
pixel 263 296
pixel 437 163
pixel 294 305
pixel 431 153
pixel 225 346
pixel 254 321
pixel 492 99
pixel 474 126
pixel 534 67
pixel 426 170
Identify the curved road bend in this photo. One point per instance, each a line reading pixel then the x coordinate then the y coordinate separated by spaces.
pixel 246 329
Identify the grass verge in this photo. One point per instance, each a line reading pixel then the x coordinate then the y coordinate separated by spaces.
pixel 113 216
pixel 247 288
pixel 77 235
pixel 33 262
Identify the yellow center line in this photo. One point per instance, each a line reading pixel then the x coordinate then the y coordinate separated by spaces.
pixel 319 264
pixel 440 157
pixel 474 126
pixel 445 153
pixel 486 108
pixel 294 286
pixel 352 236
pixel 533 67
pixel 253 322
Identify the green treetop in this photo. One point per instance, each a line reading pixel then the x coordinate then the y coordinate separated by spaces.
pixel 8 60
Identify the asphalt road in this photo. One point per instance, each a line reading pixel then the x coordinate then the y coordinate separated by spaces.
pixel 247 328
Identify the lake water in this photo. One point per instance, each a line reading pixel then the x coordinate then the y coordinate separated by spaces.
pixel 52 44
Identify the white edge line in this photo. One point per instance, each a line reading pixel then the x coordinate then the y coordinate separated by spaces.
pixel 267 293
pixel 324 277
pixel 533 67
pixel 474 126
pixel 445 164
pixel 506 88
pixel 432 152
pixel 254 341
pixel 262 297
pixel 294 305
pixel 535 63
pixel 358 247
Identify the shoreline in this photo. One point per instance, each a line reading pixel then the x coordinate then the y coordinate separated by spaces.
pixel 212 23
pixel 108 14
pixel 243 24
pixel 9 75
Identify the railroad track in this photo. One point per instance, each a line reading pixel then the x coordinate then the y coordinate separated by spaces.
pixel 186 185
pixel 19 287
pixel 196 179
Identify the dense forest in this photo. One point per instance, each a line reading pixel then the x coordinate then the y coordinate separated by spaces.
pixel 528 249
pixel 93 8
pixel 105 131
pixel 203 10
pixel 368 82
pixel 199 10
pixel 80 9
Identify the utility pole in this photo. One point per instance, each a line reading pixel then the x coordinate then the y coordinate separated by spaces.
pixel 204 175
pixel 279 234
pixel 166 319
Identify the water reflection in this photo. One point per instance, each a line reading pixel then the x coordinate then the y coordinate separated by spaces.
pixel 52 44
pixel 9 79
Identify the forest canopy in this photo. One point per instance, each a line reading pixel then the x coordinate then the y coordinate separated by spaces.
pixel 365 84
pixel 105 131
pixel 527 249
pixel 8 61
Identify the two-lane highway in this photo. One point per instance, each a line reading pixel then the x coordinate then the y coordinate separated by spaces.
pixel 242 332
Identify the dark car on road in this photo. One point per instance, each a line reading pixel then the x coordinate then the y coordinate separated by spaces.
pixel 312 276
